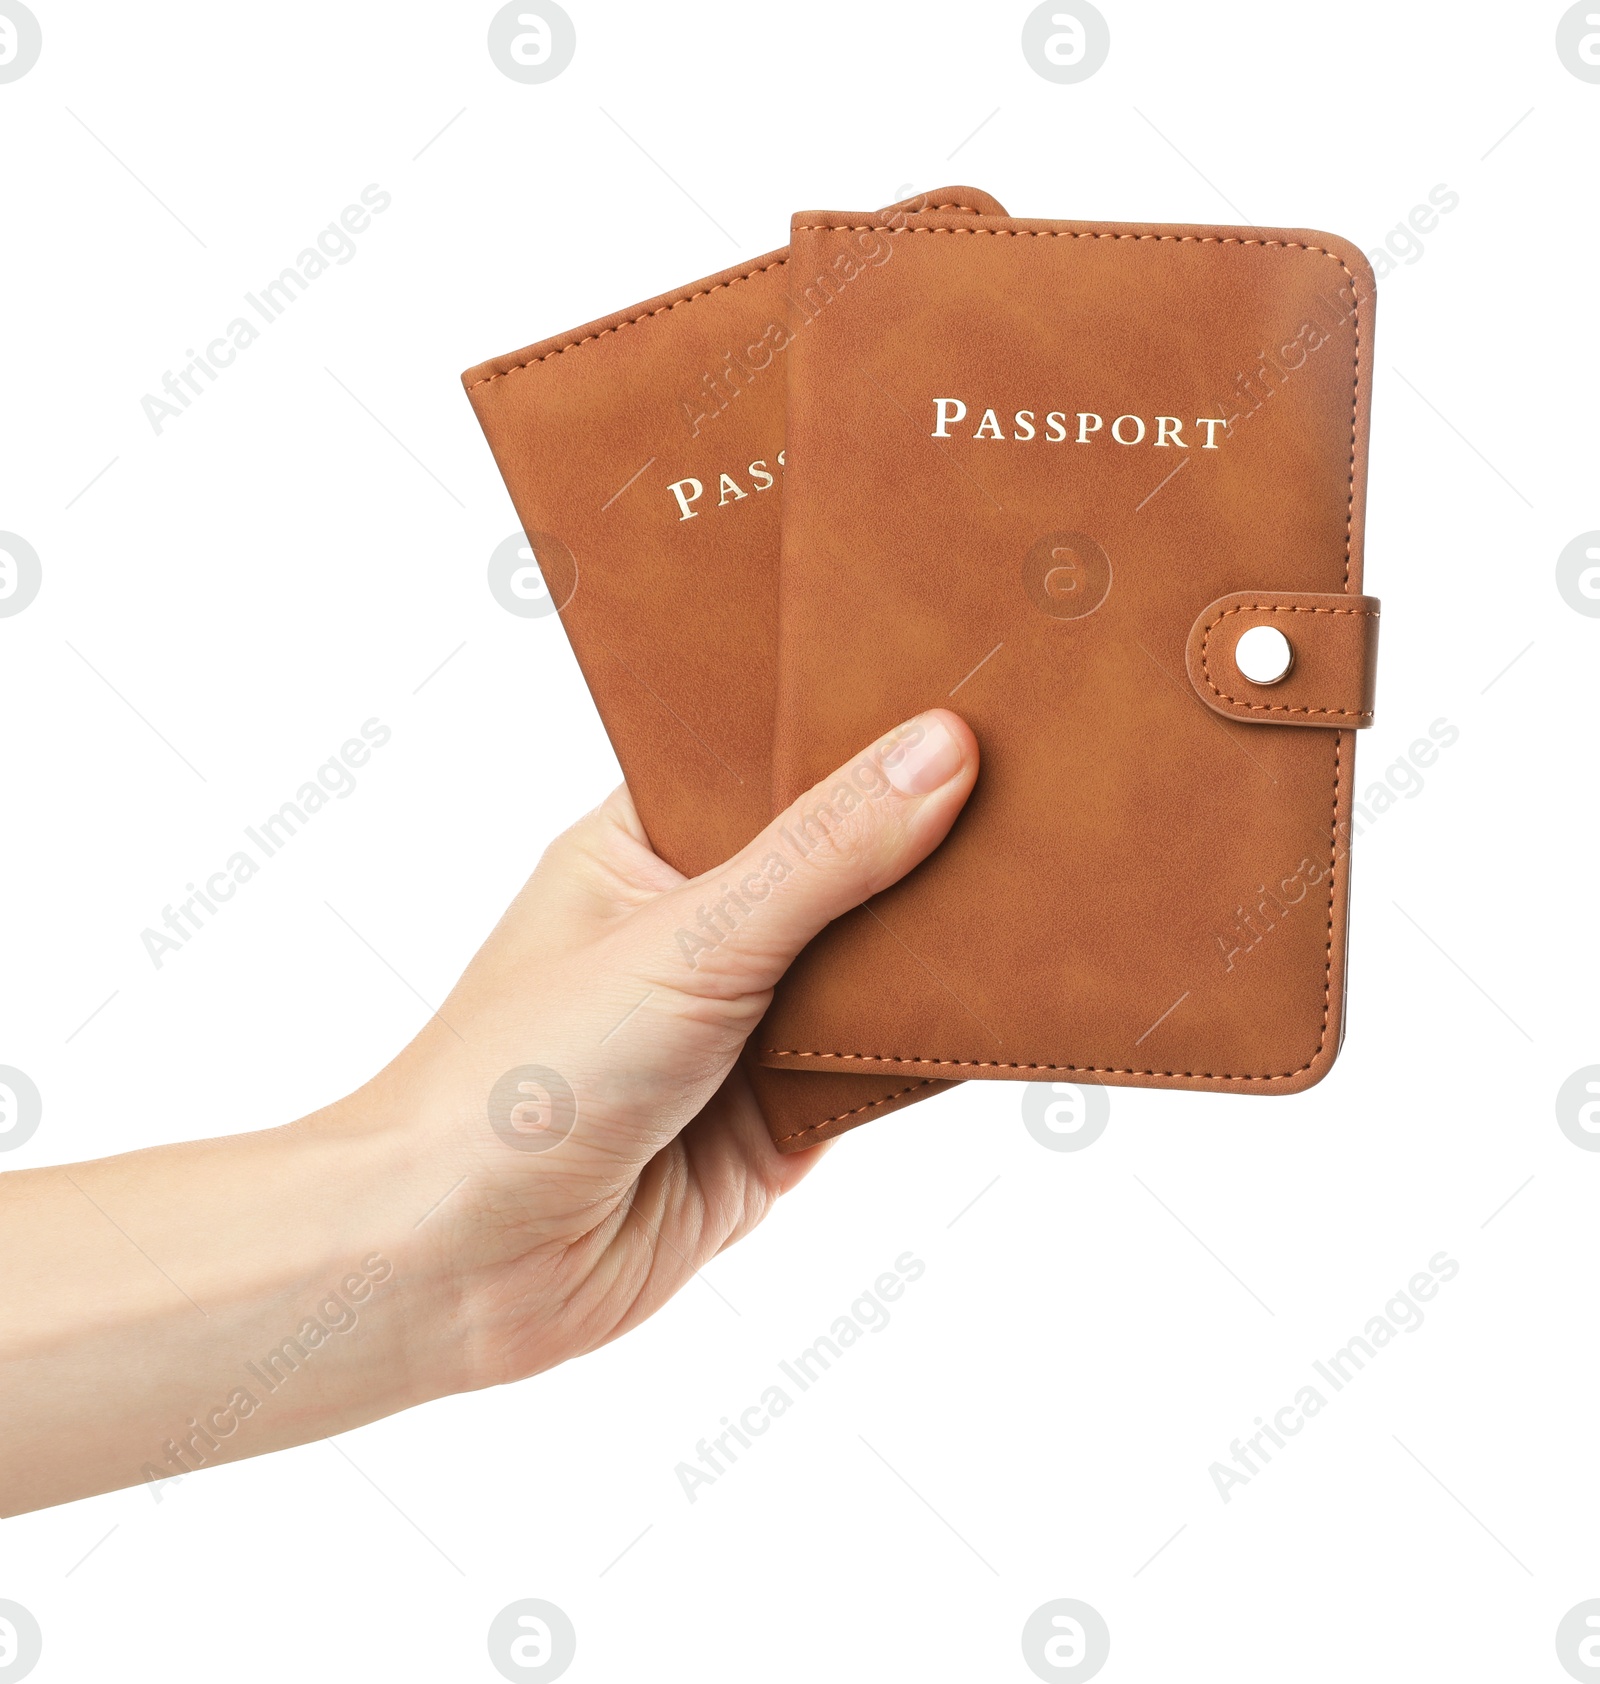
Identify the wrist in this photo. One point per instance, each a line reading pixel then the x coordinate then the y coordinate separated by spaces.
pixel 389 1254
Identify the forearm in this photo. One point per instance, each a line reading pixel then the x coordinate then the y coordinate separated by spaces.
pixel 172 1309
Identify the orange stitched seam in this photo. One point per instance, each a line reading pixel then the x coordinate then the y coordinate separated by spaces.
pixel 1277 707
pixel 1069 234
pixel 871 1105
pixel 1338 737
pixel 1001 1064
pixel 632 321
pixel 664 309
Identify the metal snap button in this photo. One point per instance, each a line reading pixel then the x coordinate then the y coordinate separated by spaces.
pixel 1263 654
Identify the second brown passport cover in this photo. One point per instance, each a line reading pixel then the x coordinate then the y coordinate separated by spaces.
pixel 644 454
pixel 1045 473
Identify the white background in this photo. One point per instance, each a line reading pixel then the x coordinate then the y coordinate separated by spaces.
pixel 274 568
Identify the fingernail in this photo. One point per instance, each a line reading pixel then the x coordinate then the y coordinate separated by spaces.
pixel 924 761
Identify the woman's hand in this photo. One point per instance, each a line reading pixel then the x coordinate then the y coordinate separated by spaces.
pixel 638 1151
pixel 553 1156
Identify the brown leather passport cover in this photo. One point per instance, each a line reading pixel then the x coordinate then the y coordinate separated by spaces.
pixel 1045 473
pixel 644 456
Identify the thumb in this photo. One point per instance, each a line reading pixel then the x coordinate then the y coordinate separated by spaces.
pixel 856 832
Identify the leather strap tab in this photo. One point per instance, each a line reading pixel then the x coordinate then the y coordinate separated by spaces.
pixel 1333 675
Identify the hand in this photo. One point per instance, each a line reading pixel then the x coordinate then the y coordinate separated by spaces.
pixel 553 1156
pixel 636 989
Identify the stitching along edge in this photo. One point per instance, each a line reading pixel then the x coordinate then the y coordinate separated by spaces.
pixel 686 298
pixel 632 321
pixel 871 1105
pixel 1338 739
pixel 1276 707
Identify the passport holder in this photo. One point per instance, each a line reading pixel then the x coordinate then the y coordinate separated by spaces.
pixel 644 455
pixel 1049 474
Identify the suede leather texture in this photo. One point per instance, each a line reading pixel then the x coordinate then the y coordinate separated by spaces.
pixel 1150 883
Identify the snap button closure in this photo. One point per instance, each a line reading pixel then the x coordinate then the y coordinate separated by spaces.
pixel 1318 671
pixel 1263 654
